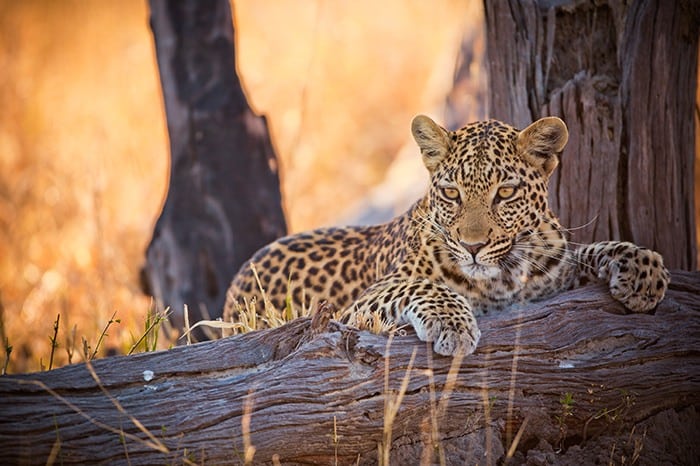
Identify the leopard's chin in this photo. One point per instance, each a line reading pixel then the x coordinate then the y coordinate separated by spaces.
pixel 479 271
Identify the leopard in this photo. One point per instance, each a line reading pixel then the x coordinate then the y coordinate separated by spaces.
pixel 482 239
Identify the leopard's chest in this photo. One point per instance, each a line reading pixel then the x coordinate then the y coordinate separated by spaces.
pixel 522 282
pixel 496 293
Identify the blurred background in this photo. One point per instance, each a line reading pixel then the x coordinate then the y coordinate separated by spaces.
pixel 84 148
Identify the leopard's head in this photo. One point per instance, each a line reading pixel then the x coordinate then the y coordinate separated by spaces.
pixel 488 188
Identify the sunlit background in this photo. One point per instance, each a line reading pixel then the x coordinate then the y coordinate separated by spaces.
pixel 84 148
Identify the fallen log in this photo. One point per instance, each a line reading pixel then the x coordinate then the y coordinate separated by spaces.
pixel 548 380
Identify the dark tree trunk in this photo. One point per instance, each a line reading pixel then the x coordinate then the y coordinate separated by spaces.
pixel 581 380
pixel 622 75
pixel 224 200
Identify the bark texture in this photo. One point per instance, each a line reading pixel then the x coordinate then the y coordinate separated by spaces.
pixel 622 75
pixel 568 381
pixel 224 200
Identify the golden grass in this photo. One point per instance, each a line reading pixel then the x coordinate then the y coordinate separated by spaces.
pixel 82 174
pixel 392 403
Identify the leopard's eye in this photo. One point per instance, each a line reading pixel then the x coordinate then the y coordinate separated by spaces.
pixel 451 193
pixel 505 192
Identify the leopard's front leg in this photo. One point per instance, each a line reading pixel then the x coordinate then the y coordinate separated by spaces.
pixel 636 276
pixel 438 314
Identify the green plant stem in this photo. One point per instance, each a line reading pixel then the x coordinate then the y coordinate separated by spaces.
pixel 103 334
pixel 151 325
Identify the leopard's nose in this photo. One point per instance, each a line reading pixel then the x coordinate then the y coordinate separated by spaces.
pixel 472 248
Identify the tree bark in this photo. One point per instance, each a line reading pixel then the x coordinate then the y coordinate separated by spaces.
pixel 567 373
pixel 224 200
pixel 622 75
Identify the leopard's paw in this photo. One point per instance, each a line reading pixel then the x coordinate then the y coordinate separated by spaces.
pixel 638 279
pixel 450 332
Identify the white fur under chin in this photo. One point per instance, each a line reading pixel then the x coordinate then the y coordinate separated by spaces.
pixel 479 272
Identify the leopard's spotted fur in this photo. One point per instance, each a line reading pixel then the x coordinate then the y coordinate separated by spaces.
pixel 482 239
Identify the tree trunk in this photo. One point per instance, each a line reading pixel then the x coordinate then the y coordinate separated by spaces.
pixel 562 380
pixel 224 200
pixel 622 75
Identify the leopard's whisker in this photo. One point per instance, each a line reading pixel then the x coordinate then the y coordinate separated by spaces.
pixel 583 226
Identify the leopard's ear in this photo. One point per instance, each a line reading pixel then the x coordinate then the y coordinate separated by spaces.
pixel 432 139
pixel 541 143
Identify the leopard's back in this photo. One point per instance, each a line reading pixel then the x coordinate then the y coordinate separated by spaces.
pixel 332 264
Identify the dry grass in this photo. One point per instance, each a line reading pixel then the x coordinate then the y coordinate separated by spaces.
pixel 82 173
